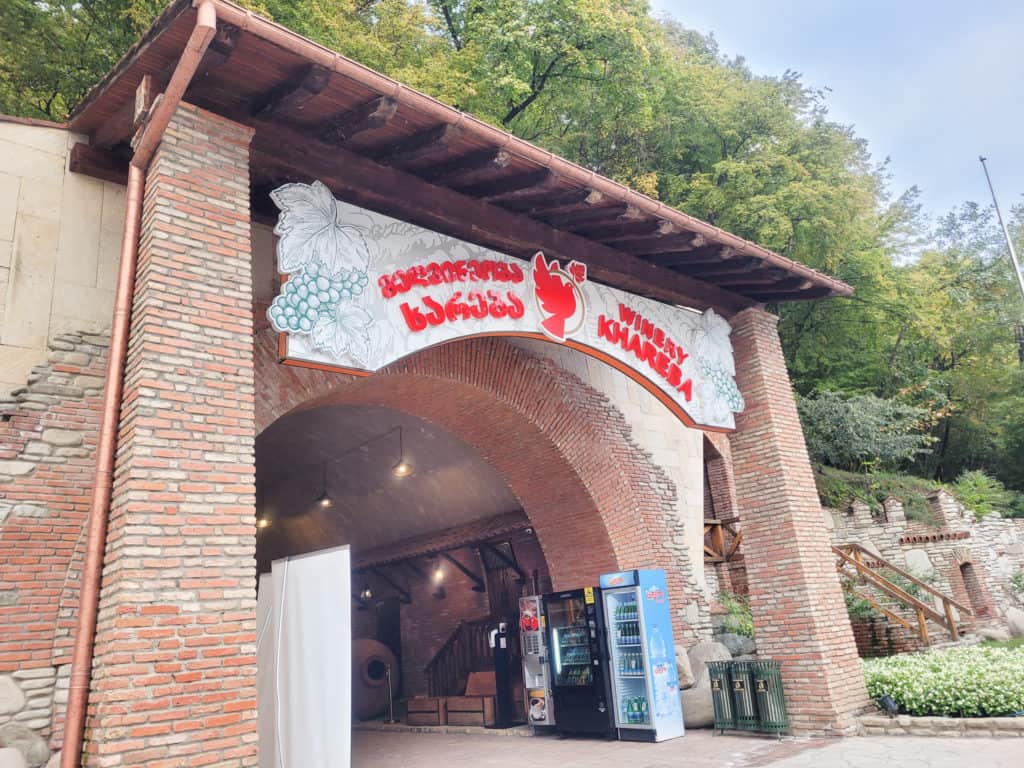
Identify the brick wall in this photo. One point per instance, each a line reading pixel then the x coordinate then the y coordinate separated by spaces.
pixel 174 671
pixel 47 443
pixel 596 500
pixel 799 613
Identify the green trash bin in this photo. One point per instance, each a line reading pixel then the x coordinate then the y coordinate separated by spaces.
pixel 771 704
pixel 721 694
pixel 744 706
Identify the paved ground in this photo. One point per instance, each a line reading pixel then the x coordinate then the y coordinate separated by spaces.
pixel 698 749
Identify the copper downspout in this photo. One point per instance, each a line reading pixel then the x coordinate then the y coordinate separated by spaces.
pixel 385 86
pixel 103 479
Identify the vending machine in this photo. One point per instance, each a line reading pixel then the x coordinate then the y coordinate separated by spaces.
pixel 540 709
pixel 578 661
pixel 645 684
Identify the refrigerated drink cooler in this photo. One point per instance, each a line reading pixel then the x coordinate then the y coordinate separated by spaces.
pixel 540 711
pixel 642 665
pixel 579 674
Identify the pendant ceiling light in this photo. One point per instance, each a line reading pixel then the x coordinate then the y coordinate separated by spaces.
pixel 324 499
pixel 402 468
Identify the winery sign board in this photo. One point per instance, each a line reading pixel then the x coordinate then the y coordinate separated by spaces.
pixel 363 290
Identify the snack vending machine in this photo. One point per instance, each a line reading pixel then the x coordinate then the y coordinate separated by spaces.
pixel 645 683
pixel 578 661
pixel 536 667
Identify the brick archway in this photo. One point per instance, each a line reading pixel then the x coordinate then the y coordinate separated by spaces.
pixel 593 496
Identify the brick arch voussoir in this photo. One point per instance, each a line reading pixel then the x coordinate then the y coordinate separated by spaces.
pixel 561 446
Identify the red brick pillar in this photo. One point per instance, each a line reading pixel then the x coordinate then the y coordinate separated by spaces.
pixel 174 673
pixel 800 617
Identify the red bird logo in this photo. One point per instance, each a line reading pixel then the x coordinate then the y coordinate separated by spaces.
pixel 559 298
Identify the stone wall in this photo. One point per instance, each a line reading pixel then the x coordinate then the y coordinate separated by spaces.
pixel 60 238
pixel 969 560
pixel 48 433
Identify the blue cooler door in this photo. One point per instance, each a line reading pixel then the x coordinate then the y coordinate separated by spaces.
pixel 659 653
pixel 631 695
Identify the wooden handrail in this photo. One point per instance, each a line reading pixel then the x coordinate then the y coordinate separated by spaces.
pixel 852 554
pixel 887 586
pixel 909 577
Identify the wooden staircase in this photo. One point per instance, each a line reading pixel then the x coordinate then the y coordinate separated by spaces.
pixel 863 574
pixel 466 650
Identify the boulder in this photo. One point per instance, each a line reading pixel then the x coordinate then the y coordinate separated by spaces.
pixel 1015 621
pixel 994 633
pixel 12 758
pixel 12 700
pixel 683 669
pixel 738 645
pixel 698 711
pixel 30 744
pixel 700 654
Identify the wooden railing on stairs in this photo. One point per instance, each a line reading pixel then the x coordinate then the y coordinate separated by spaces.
pixel 867 567
pixel 466 650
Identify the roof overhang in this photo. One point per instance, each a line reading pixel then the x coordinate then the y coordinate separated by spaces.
pixel 381 145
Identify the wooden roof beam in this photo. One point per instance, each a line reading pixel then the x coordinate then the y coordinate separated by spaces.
pixel 374 114
pixel 225 41
pixel 664 249
pixel 702 256
pixel 98 163
pixel 766 295
pixel 546 203
pixel 478 584
pixel 752 276
pixel 625 231
pixel 294 93
pixel 580 217
pixel 509 187
pixel 403 595
pixel 463 168
pixel 359 180
pixel 751 285
pixel 508 561
pixel 417 146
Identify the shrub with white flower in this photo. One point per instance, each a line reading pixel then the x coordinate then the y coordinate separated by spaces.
pixel 960 682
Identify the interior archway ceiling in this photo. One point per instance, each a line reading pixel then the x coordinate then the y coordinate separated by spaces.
pixel 451 484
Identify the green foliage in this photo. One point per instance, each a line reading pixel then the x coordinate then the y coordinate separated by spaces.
pixel 859 608
pixel 984 495
pixel 1017 582
pixel 838 489
pixel 740 620
pixel 861 431
pixel 965 682
pixel 922 356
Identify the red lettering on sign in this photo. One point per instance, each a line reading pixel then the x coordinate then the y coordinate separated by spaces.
pixel 650 344
pixel 448 272
pixel 476 306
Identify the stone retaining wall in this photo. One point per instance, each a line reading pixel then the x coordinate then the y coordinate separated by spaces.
pixel 905 725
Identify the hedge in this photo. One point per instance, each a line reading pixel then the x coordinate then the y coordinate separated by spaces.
pixel 964 682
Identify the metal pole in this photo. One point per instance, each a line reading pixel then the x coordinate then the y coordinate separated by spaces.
pixel 1006 232
pixel 391 703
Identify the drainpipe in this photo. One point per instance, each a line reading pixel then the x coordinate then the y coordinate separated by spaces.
pixel 103 479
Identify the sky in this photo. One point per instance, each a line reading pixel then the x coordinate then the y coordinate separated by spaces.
pixel 930 85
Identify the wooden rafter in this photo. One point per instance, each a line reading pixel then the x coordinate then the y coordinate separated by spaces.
pixel 294 93
pixel 374 114
pixel 579 216
pixel 479 585
pixel 403 595
pixel 417 146
pixel 544 204
pixel 664 249
pixel 509 187
pixel 466 167
pixel 278 149
pixel 510 562
pixel 98 163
